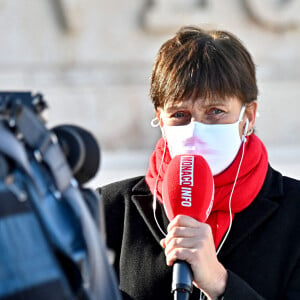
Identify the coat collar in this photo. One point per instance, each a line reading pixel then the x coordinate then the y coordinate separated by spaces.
pixel 144 206
pixel 244 222
pixel 143 199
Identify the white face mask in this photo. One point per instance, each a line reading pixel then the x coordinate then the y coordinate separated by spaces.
pixel 217 143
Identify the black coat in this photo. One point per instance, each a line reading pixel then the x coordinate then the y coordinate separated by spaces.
pixel 261 253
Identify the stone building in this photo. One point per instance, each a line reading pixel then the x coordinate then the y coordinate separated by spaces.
pixel 92 61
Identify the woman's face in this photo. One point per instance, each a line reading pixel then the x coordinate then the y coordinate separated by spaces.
pixel 211 111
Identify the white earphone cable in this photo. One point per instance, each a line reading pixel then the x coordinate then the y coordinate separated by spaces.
pixel 154 204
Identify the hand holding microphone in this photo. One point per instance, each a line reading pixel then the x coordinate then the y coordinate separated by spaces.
pixel 188 198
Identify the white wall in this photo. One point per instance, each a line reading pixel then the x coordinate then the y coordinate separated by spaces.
pixel 95 71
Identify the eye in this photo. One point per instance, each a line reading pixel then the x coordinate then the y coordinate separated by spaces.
pixel 179 115
pixel 216 111
pixel 179 118
pixel 215 115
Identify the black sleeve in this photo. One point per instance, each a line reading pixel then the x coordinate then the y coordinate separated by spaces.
pixel 114 197
pixel 112 205
pixel 237 288
pixel 293 291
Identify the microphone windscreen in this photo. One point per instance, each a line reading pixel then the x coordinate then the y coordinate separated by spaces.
pixel 188 187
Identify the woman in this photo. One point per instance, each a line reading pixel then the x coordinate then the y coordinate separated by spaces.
pixel 204 92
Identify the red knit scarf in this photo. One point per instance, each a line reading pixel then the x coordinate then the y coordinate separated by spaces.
pixel 250 180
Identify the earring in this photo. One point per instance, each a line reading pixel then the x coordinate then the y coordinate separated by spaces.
pixel 155 122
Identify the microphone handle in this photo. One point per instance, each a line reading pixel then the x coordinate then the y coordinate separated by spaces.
pixel 179 295
pixel 182 282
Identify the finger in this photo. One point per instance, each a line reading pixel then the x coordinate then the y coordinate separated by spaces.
pixel 184 254
pixel 182 232
pixel 163 243
pixel 183 221
pixel 194 238
pixel 180 243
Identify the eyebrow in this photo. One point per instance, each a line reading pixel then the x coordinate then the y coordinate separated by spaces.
pixel 214 101
pixel 205 103
pixel 175 106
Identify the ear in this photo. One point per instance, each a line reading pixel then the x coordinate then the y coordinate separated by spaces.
pixel 158 113
pixel 250 112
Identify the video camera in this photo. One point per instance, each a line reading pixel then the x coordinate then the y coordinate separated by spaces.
pixel 50 246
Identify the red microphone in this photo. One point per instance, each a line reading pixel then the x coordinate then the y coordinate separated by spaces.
pixel 187 189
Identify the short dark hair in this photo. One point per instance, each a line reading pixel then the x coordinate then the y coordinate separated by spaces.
pixel 202 64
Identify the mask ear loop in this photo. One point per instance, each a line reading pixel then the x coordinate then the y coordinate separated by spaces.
pixel 244 136
pixel 246 125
